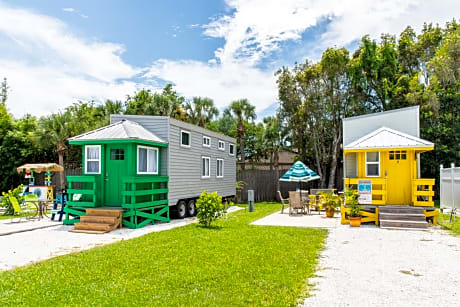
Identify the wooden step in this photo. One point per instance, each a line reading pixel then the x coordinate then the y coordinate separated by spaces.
pixel 94 226
pixel 99 232
pixel 403 224
pixel 401 210
pixel 104 212
pixel 402 216
pixel 99 219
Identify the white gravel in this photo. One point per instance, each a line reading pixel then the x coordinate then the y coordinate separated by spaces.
pixel 32 246
pixel 369 266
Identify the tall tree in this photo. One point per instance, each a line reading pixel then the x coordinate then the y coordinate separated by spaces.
pixel 201 111
pixel 4 91
pixel 243 111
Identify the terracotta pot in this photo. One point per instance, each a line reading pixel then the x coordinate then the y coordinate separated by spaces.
pixel 330 213
pixel 355 221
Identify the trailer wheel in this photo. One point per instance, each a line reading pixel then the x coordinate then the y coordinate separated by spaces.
pixel 181 209
pixel 191 208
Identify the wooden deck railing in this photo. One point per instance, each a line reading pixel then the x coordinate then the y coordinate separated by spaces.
pixel 422 192
pixel 85 196
pixel 379 188
pixel 146 200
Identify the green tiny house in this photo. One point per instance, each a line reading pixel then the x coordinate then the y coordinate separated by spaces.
pixel 122 169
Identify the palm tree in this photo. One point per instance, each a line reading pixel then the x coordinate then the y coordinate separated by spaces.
pixel 56 130
pixel 243 111
pixel 201 111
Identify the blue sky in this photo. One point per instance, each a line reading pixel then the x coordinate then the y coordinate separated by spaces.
pixel 57 52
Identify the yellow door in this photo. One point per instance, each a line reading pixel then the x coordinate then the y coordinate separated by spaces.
pixel 398 178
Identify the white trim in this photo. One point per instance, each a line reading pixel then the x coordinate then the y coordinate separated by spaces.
pixel 92 160
pixel 137 160
pixel 378 163
pixel 218 145
pixel 209 167
pixel 189 138
pixel 206 137
pixel 229 146
pixel 217 167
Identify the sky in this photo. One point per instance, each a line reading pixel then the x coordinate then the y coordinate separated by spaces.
pixel 56 52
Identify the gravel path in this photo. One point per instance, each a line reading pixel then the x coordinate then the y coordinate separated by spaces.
pixel 369 266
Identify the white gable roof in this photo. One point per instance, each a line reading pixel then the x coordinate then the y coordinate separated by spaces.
pixel 385 138
pixel 122 130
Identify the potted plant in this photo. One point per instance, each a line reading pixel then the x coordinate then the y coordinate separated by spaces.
pixel 351 199
pixel 330 202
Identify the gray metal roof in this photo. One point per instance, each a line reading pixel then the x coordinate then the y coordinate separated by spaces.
pixel 122 130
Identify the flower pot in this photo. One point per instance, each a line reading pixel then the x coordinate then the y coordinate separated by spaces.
pixel 330 213
pixel 355 221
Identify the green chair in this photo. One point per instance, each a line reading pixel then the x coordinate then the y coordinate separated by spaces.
pixel 21 211
pixel 31 204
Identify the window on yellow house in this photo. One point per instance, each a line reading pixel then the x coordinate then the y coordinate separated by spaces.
pixel 398 155
pixel 372 164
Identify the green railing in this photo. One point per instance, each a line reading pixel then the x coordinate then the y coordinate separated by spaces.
pixel 146 200
pixel 85 195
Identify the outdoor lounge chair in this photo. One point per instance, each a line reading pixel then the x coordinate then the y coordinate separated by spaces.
pixel 21 211
pixel 295 203
pixel 284 201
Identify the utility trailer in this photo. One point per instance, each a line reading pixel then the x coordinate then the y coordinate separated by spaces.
pixel 146 165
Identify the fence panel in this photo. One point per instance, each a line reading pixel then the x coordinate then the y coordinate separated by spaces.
pixel 450 187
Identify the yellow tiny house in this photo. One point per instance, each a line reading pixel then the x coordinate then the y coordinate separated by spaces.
pixel 386 161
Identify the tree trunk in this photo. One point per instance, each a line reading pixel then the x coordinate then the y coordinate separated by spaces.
pixel 318 161
pixel 276 159
pixel 271 161
pixel 61 174
pixel 240 135
pixel 335 145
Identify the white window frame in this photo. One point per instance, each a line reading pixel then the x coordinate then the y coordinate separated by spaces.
pixel 218 145
pixel 230 145
pixel 208 138
pixel 189 138
pixel 378 163
pixel 92 160
pixel 137 160
pixel 209 167
pixel 217 168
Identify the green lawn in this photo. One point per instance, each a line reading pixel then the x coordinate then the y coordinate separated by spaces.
pixel 453 226
pixel 233 264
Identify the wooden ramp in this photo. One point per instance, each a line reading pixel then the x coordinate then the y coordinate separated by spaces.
pixel 99 220
pixel 402 217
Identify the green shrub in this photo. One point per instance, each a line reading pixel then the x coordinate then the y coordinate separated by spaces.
pixel 17 192
pixel 209 208
pixel 351 199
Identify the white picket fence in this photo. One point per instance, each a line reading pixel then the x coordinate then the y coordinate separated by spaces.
pixel 450 187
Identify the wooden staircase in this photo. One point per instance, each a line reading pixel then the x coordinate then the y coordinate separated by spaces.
pixel 402 217
pixel 99 220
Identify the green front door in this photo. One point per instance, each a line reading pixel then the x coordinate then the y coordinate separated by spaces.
pixel 116 169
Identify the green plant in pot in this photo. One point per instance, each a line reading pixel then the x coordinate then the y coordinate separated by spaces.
pixel 330 202
pixel 351 199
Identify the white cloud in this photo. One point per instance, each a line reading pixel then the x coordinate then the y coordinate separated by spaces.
pixel 48 67
pixel 68 9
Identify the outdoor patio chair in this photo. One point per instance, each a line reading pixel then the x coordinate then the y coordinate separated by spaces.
pixel 31 203
pixel 284 201
pixel 21 211
pixel 295 203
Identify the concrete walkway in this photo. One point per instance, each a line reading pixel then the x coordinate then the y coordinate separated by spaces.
pixel 369 266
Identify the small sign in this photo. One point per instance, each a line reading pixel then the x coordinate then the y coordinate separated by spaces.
pixel 365 192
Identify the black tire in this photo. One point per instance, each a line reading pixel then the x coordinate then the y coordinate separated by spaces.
pixel 181 209
pixel 191 208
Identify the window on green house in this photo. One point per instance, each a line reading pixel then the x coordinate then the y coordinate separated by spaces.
pixel 117 154
pixel 147 160
pixel 93 159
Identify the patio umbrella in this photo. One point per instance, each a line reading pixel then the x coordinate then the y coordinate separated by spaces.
pixel 40 167
pixel 299 172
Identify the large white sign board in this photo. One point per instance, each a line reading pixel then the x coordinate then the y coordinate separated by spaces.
pixel 365 192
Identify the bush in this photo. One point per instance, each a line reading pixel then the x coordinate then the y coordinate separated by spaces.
pixel 209 208
pixel 17 192
pixel 351 199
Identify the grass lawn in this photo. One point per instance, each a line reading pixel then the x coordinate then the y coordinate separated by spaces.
pixel 453 226
pixel 232 264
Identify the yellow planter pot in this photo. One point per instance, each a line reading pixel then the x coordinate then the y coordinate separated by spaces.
pixel 355 221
